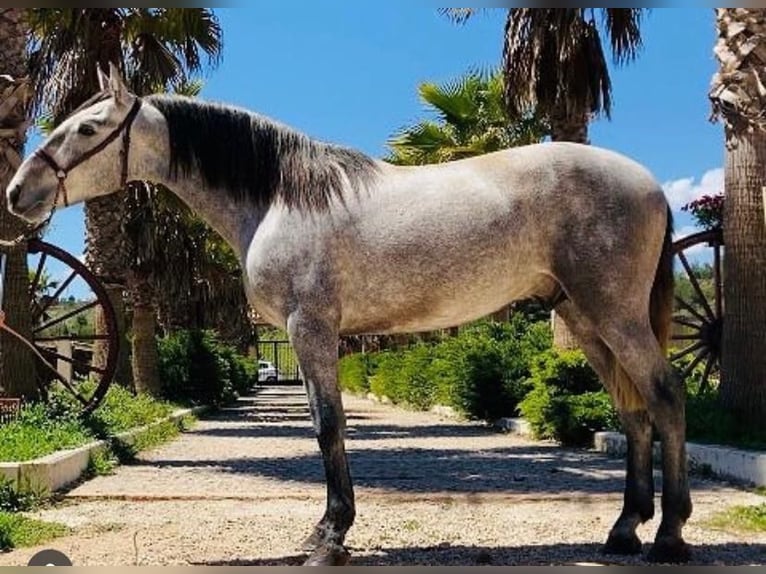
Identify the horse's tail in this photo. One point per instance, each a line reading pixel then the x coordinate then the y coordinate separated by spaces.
pixel 661 300
pixel 660 316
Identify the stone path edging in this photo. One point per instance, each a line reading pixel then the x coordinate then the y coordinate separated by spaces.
pixel 55 471
pixel 743 466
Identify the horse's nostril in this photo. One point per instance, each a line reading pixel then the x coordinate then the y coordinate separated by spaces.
pixel 14 194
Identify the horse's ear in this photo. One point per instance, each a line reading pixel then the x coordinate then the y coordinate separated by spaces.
pixel 103 79
pixel 116 85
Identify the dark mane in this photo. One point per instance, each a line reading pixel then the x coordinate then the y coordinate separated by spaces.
pixel 254 158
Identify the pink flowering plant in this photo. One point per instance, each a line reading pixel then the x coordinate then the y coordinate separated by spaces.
pixel 707 210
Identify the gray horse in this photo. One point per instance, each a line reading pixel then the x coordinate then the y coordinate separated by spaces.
pixel 333 242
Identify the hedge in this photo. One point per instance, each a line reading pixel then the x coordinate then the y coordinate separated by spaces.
pixel 482 372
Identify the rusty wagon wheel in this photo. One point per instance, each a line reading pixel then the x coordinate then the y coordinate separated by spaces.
pixel 698 316
pixel 63 327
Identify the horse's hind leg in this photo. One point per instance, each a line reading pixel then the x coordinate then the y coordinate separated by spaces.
pixel 315 341
pixel 638 352
pixel 638 505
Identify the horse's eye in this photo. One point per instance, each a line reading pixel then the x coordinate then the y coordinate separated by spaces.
pixel 86 130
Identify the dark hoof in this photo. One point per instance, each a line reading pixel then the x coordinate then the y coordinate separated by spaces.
pixel 622 545
pixel 328 555
pixel 669 551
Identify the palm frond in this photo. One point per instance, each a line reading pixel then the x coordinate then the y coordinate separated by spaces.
pixel 458 15
pixel 623 26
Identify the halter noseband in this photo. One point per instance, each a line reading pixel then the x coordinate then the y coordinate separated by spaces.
pixel 62 172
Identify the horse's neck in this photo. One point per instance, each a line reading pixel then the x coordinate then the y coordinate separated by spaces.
pixel 234 221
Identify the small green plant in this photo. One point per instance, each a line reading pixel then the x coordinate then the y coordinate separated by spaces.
pixel 12 500
pixel 102 463
pixel 567 402
pixel 17 531
pixel 742 519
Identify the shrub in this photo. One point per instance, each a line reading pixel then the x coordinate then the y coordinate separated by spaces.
pixel 354 372
pixel 196 368
pixel 493 365
pixel 567 402
pixel 483 372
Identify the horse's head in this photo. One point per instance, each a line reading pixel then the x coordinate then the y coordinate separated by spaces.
pixel 84 157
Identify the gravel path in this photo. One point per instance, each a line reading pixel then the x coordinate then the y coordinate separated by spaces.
pixel 245 486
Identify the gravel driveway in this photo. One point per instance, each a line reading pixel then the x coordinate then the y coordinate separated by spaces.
pixel 245 486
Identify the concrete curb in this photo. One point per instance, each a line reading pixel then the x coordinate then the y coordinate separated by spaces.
pixel 45 475
pixel 517 426
pixel 742 466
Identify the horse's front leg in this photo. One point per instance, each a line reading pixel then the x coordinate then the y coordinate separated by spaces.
pixel 315 340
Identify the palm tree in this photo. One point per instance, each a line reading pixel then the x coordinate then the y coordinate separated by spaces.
pixel 471 120
pixel 156 49
pixel 16 363
pixel 554 62
pixel 739 97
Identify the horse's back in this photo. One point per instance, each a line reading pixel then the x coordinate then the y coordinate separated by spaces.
pixel 432 246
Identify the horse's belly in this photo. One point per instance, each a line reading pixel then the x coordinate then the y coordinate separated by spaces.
pixel 441 305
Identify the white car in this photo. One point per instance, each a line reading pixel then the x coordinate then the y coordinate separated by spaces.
pixel 268 373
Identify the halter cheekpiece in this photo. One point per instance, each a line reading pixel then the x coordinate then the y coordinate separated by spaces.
pixel 62 172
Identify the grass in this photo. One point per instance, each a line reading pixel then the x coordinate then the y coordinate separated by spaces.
pixel 17 531
pixel 33 435
pixel 742 519
pixel 43 429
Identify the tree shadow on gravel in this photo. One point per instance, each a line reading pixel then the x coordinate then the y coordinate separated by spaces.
pixel 263 425
pixel 508 470
pixel 730 554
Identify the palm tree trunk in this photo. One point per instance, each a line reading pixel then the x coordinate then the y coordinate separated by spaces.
pixel 104 256
pixel 570 130
pixel 17 365
pixel 737 96
pixel 144 343
pixel 743 384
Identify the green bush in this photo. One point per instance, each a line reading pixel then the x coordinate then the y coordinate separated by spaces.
pixel 708 422
pixel 354 372
pixel 567 402
pixel 196 368
pixel 483 372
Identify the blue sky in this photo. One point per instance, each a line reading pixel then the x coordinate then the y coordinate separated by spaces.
pixel 347 72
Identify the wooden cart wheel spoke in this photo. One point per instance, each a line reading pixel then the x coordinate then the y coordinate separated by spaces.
pixel 696 285
pixel 35 284
pixel 698 316
pixel 64 317
pixel 690 337
pixel 688 307
pixel 61 288
pixel 704 353
pixel 83 365
pixel 682 320
pixel 63 327
pixel 690 349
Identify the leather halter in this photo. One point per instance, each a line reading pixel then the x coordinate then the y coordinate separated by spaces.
pixel 62 171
